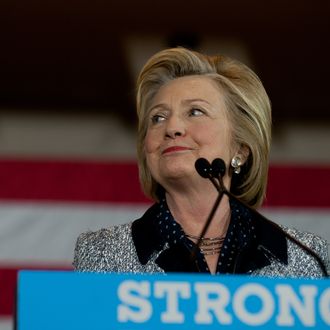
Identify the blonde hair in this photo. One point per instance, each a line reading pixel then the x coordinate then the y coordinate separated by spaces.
pixel 246 101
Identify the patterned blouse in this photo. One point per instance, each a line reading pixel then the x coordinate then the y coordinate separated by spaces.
pixel 239 235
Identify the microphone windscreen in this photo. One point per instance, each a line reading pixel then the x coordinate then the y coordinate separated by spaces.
pixel 218 168
pixel 203 167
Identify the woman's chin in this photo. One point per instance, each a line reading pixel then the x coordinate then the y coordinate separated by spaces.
pixel 175 172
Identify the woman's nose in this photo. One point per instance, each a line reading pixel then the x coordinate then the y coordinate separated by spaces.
pixel 175 127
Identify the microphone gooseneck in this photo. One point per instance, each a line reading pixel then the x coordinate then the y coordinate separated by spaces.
pixel 204 169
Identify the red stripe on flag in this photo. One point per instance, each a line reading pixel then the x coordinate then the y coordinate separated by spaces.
pixel 8 284
pixel 298 186
pixel 79 181
pixel 8 289
pixel 117 182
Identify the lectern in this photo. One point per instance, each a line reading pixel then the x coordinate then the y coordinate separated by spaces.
pixel 55 300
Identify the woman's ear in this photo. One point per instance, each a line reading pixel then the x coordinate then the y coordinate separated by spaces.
pixel 243 152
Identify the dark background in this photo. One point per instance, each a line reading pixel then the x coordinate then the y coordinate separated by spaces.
pixel 68 55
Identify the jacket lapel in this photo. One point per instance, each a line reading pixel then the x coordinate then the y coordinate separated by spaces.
pixel 145 235
pixel 270 244
pixel 147 240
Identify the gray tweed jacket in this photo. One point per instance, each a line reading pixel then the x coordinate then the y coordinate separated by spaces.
pixel 135 248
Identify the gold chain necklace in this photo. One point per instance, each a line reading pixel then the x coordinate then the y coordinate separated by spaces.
pixel 208 245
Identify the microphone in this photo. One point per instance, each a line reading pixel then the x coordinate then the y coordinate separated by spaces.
pixel 218 168
pixel 205 170
pixel 203 167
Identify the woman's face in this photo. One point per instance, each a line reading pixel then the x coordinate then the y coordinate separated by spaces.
pixel 187 120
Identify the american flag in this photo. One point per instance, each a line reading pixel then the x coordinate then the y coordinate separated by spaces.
pixel 46 203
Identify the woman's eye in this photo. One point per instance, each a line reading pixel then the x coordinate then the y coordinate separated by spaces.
pixel 155 119
pixel 196 112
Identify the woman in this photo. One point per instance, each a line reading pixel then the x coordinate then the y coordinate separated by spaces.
pixel 190 106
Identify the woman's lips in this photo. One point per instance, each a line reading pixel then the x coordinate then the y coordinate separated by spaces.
pixel 174 149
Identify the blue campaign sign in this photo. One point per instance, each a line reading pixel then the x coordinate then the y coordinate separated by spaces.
pixel 68 300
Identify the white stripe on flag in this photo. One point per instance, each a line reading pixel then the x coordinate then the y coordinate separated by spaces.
pixel 33 232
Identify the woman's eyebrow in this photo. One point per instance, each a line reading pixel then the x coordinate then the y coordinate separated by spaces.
pixel 188 101
pixel 159 105
pixel 184 102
